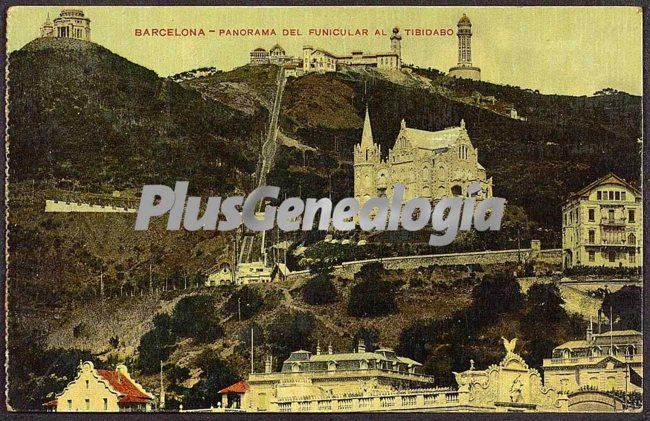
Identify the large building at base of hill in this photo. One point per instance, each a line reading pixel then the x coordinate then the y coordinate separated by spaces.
pixel 609 361
pixel 431 165
pixel 381 381
pixel 96 390
pixel 602 225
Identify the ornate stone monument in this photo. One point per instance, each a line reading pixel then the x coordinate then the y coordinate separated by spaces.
pixel 509 386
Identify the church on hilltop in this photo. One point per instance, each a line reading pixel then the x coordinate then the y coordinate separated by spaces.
pixel 432 165
pixel 71 23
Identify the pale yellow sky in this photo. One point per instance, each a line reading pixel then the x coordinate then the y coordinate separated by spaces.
pixel 566 50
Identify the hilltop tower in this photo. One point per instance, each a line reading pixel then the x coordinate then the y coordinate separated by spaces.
pixel 367 155
pixel 464 68
pixel 396 45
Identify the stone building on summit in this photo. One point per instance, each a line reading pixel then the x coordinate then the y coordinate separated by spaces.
pixel 71 23
pixel 432 165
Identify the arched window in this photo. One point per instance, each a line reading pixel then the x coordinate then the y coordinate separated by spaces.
pixel 457 190
pixel 631 239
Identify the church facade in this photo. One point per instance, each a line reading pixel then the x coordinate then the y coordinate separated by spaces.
pixel 432 165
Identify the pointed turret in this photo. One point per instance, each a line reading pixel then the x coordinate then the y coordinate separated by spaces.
pixel 366 136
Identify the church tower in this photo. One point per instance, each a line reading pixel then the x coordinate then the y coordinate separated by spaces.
pixel 367 156
pixel 396 44
pixel 464 68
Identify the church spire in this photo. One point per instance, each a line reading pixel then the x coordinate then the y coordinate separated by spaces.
pixel 366 136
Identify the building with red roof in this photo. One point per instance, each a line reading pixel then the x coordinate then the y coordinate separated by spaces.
pixel 96 390
pixel 231 396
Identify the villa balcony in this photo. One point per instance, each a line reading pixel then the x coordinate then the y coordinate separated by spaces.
pixel 617 222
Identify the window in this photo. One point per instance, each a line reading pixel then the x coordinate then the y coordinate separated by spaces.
pixel 87 384
pixel 631 239
pixel 592 256
pixel 630 215
pixel 105 404
pixel 632 256
pixel 592 236
pixel 457 190
pixel 87 404
pixel 592 215
pixel 612 256
pixel 69 404
pixel 599 195
pixel 611 215
pixel 617 195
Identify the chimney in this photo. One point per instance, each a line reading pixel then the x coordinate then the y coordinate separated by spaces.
pixel 362 346
pixel 318 348
pixel 330 350
pixel 268 364
pixel 590 329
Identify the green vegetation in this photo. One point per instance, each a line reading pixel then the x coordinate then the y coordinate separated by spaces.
pixel 194 317
pixel 371 295
pixel 157 344
pixel 625 305
pixel 498 309
pixel 320 289
pixel 246 301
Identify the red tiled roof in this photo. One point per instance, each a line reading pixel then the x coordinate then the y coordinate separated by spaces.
pixel 123 386
pixel 50 403
pixel 239 387
pixel 133 399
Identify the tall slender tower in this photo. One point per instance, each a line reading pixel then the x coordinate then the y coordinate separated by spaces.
pixel 367 155
pixel 396 45
pixel 464 41
pixel 464 68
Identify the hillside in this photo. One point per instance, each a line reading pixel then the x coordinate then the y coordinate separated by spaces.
pixel 73 99
pixel 565 142
pixel 84 121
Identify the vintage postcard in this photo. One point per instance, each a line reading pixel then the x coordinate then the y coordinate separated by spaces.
pixel 347 209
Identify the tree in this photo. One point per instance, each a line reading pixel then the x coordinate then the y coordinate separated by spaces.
pixel 319 290
pixel 544 303
pixel 372 298
pixel 290 331
pixel 156 345
pixel 626 307
pixel 194 317
pixel 370 338
pixel 248 300
pixel 215 375
pixel 496 294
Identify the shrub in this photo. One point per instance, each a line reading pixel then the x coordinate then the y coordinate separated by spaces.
pixel 626 306
pixel 372 298
pixel 156 345
pixel 248 299
pixel 319 290
pixel 194 317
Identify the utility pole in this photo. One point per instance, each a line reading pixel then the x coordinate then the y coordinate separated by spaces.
pixel 252 351
pixel 162 387
pixel 330 184
pixel 611 328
